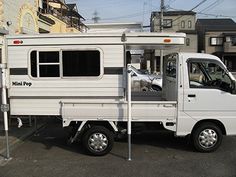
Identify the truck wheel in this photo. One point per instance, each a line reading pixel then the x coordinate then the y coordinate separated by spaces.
pixel 207 137
pixel 98 140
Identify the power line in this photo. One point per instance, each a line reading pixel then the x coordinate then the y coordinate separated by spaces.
pixel 207 14
pixel 141 13
pixel 187 11
pixel 171 2
pixel 118 4
pixel 125 16
pixel 213 5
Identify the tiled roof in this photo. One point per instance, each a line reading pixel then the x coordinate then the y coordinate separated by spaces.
pixel 188 31
pixel 220 24
pixel 175 13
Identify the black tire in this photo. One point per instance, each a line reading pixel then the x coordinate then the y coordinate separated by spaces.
pixel 156 88
pixel 207 137
pixel 101 136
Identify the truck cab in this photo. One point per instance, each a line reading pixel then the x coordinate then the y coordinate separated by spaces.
pixel 205 93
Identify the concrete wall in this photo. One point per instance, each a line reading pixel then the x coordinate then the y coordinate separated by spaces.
pixel 20 15
pixel 59 27
pixel 211 49
pixel 176 23
pixel 176 26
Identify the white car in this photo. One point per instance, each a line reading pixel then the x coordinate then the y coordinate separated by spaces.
pixel 148 82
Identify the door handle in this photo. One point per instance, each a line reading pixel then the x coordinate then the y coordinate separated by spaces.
pixel 191 95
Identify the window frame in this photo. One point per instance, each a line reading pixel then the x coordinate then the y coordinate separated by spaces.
pixel 216 38
pixel 187 41
pixel 189 24
pixel 60 50
pixel 170 23
pixel 199 60
pixel 82 77
pixel 182 24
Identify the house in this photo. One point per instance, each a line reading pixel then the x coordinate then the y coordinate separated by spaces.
pixel 218 37
pixel 66 16
pixel 39 16
pixel 175 21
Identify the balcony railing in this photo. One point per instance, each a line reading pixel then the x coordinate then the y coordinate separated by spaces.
pixel 71 23
pixel 63 17
pixel 56 13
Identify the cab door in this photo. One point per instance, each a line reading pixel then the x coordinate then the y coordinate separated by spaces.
pixel 208 95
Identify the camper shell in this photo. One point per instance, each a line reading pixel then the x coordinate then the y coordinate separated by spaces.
pixel 45 95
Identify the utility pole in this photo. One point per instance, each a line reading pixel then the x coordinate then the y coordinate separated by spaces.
pixel 95 18
pixel 161 30
pixel 161 15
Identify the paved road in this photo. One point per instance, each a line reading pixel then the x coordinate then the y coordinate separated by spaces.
pixel 154 154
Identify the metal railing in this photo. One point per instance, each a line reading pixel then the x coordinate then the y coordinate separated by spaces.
pixel 56 13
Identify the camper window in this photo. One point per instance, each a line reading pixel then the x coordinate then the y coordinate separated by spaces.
pixel 81 63
pixel 33 63
pixel 47 64
pixel 65 63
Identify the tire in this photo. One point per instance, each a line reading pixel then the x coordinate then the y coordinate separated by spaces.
pixel 207 137
pixel 156 88
pixel 98 140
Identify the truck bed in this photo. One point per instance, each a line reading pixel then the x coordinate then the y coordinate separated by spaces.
pixel 151 111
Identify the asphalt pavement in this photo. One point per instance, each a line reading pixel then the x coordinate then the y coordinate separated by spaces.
pixel 157 154
pixel 17 135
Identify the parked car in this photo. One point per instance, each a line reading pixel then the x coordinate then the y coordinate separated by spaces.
pixel 147 82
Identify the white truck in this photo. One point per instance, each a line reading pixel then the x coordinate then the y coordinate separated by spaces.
pixel 85 79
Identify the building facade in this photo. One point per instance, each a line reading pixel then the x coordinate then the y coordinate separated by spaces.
pixel 39 16
pixel 175 21
pixel 18 16
pixel 65 16
pixel 218 37
pixel 178 21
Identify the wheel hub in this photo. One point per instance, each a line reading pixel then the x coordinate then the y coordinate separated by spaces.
pixel 208 138
pixel 98 142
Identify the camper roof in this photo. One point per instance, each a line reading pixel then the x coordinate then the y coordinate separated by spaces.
pixel 135 40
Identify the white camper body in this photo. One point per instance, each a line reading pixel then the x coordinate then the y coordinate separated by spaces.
pixel 46 76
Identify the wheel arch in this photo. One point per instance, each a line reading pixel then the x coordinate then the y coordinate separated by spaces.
pixel 107 124
pixel 214 121
pixel 82 125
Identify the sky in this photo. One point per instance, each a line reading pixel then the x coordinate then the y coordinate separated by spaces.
pixel 140 10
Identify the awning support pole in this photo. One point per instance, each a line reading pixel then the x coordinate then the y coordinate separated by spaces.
pixel 5 108
pixel 129 110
